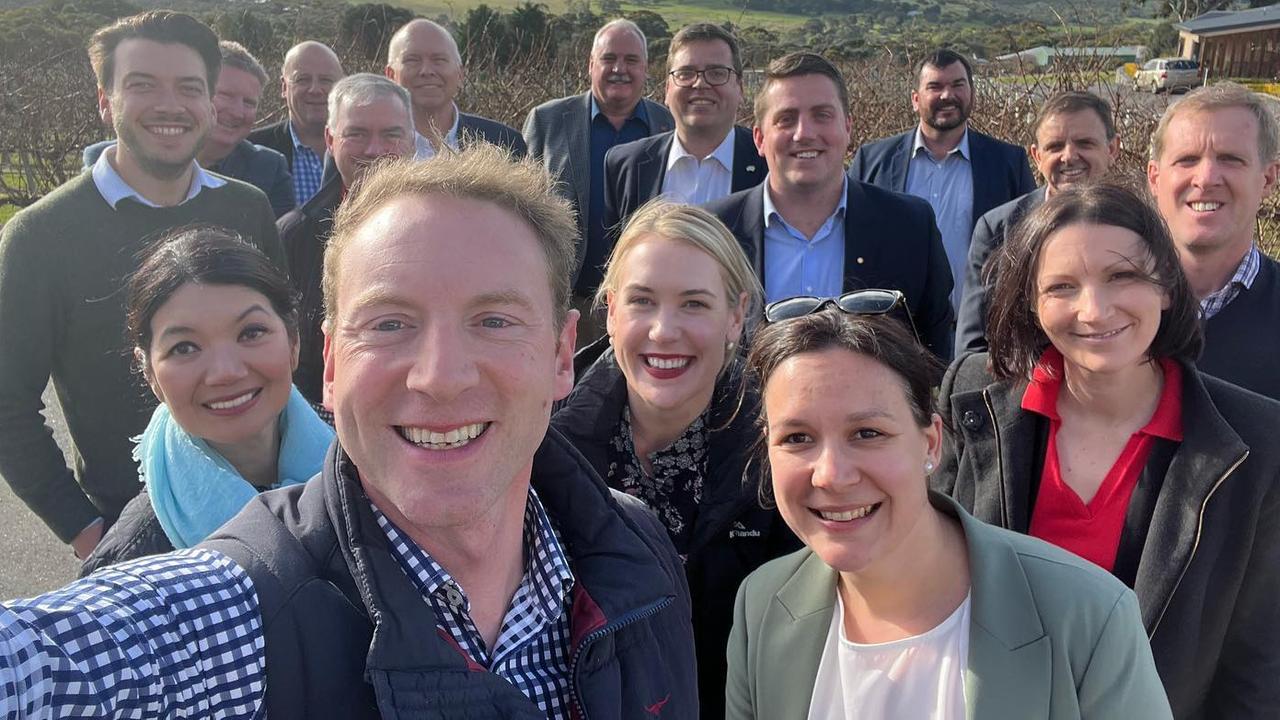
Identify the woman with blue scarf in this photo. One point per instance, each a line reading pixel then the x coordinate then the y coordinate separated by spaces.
pixel 214 326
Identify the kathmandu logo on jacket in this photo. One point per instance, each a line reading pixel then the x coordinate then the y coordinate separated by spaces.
pixel 738 530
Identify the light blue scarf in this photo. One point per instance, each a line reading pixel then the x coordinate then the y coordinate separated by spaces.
pixel 194 490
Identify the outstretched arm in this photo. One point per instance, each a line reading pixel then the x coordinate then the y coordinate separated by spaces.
pixel 174 636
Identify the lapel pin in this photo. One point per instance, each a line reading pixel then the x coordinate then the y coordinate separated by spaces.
pixel 751 168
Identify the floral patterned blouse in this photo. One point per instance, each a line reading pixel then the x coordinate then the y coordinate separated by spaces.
pixel 674 491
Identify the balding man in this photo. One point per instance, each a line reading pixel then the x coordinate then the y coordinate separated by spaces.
pixel 571 135
pixel 310 69
pixel 424 59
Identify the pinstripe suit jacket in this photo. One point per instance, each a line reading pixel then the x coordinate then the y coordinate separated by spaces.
pixel 558 133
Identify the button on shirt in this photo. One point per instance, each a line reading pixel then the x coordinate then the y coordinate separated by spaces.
pixel 308 170
pixel 603 137
pixel 113 188
pixel 532 650
pixel 1241 279
pixel 798 265
pixel 190 621
pixel 422 147
pixel 695 180
pixel 948 187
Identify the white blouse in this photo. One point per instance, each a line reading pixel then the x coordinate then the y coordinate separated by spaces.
pixel 916 677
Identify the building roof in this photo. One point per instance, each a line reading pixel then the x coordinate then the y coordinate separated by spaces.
pixel 1226 21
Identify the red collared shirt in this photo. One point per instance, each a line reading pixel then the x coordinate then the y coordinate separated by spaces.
pixel 1092 530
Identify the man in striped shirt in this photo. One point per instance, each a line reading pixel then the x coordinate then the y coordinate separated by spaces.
pixel 454 556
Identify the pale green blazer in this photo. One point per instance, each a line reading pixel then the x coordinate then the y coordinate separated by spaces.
pixel 1050 635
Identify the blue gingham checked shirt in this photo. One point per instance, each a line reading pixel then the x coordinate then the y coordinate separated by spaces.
pixel 179 635
pixel 308 170
pixel 1214 302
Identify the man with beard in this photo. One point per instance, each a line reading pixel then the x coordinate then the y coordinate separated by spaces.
pixel 63 262
pixel 370 117
pixel 424 59
pixel 227 151
pixel 1076 141
pixel 961 172
pixel 310 69
pixel 571 135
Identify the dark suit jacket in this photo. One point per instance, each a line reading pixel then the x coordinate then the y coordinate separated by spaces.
pixel 491 131
pixel 261 167
pixel 890 241
pixel 558 133
pixel 988 234
pixel 275 136
pixel 1000 170
pixel 304 233
pixel 634 172
pixel 1201 539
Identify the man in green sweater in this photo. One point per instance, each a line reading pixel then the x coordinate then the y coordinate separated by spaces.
pixel 63 262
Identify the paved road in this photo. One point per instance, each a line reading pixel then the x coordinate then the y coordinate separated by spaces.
pixel 32 559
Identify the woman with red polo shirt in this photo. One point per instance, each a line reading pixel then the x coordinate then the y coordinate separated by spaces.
pixel 1088 425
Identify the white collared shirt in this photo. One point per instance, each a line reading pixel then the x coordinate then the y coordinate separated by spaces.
pixel 695 180
pixel 113 188
pixel 423 150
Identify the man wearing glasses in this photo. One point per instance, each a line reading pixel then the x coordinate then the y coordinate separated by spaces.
pixel 706 157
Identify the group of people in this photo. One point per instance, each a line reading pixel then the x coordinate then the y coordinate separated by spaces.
pixel 637 413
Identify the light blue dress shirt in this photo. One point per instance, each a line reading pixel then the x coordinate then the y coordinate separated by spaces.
pixel 798 265
pixel 948 187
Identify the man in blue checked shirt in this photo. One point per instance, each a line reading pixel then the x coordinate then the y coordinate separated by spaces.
pixel 454 558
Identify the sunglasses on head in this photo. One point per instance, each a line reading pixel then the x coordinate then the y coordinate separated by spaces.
pixel 857 302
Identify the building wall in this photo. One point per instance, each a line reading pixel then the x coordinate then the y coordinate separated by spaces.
pixel 1253 54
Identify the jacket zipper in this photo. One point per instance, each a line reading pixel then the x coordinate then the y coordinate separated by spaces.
pixel 1196 544
pixel 995 428
pixel 622 622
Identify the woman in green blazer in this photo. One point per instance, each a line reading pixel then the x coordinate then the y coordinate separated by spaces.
pixel 903 605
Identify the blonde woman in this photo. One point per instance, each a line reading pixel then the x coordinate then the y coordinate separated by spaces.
pixel 663 414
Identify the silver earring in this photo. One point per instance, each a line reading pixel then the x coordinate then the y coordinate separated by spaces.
pixel 928 467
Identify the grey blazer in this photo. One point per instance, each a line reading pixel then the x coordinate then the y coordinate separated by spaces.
pixel 558 133
pixel 1050 635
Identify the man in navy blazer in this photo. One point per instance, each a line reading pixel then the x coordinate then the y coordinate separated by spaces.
pixel 706 157
pixel 423 58
pixel 961 172
pixel 810 229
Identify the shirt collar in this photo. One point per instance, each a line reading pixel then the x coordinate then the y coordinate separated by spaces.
pixel 771 212
pixel 639 113
pixel 546 568
pixel 297 144
pixel 723 152
pixel 113 187
pixel 962 148
pixel 423 145
pixel 1247 270
pixel 1041 395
